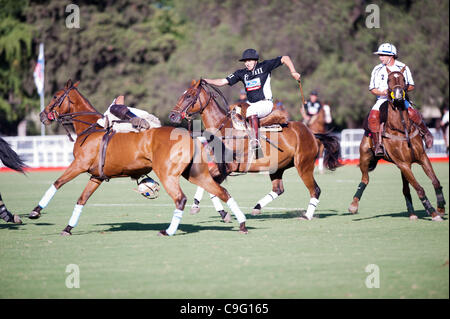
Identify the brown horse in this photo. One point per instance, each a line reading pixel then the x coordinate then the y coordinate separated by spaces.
pixel 295 146
pixel 317 125
pixel 168 151
pixel 403 146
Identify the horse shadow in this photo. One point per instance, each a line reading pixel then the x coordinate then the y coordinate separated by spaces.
pixel 293 214
pixel 421 214
pixel 185 228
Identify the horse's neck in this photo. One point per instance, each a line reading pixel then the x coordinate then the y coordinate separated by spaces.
pixel 83 121
pixel 213 116
pixel 395 118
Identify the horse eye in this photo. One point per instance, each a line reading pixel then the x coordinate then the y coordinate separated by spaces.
pixel 54 97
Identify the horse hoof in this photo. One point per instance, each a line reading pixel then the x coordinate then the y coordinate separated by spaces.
pixel 194 210
pixel 243 229
pixel 413 217
pixel 256 211
pixel 163 233
pixel 437 218
pixel 17 220
pixel 441 211
pixel 227 218
pixel 34 215
pixel 353 209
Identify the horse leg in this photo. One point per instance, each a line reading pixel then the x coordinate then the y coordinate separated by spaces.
pixel 364 160
pixel 406 171
pixel 90 188
pixel 428 169
pixel 6 215
pixel 408 198
pixel 195 208
pixel 277 190
pixel 320 157
pixel 70 173
pixel 306 172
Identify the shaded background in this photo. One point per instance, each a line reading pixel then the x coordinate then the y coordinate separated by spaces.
pixel 149 51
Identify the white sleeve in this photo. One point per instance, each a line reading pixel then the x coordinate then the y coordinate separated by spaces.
pixel 373 84
pixel 408 77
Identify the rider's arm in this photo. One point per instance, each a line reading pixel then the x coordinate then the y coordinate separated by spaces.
pixel 217 82
pixel 378 92
pixel 410 87
pixel 286 60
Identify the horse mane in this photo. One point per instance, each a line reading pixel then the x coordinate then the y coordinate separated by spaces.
pixel 88 102
pixel 205 85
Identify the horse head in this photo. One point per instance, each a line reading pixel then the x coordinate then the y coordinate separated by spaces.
pixel 396 87
pixel 59 104
pixel 190 103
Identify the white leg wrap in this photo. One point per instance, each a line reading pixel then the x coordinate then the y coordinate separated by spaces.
pixel 75 215
pixel 236 210
pixel 216 202
pixel 47 196
pixel 199 194
pixel 313 202
pixel 267 199
pixel 177 215
pixel 321 163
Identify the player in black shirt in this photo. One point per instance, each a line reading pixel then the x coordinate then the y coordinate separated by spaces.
pixel 256 78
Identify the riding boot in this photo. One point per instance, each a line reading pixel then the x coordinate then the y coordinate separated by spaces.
pixel 374 127
pixel 415 116
pixel 123 113
pixel 254 142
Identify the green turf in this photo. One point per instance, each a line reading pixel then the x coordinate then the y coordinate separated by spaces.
pixel 119 254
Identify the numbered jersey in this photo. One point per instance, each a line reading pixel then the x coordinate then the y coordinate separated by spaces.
pixel 257 82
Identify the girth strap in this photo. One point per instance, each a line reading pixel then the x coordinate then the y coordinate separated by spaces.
pixel 103 146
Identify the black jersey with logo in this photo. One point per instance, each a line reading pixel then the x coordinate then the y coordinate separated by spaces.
pixel 257 82
pixel 313 108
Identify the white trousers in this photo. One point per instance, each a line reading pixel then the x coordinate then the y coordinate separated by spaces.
pixel 260 108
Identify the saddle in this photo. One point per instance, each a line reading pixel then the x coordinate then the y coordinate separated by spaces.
pixel 273 122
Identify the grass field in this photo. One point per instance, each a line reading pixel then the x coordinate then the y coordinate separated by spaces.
pixel 119 254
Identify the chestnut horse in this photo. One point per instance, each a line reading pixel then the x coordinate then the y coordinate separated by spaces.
pixel 295 146
pixel 403 146
pixel 170 152
pixel 317 124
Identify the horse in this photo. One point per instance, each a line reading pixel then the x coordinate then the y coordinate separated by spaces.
pixel 403 147
pixel 294 146
pixel 170 152
pixel 10 159
pixel 317 125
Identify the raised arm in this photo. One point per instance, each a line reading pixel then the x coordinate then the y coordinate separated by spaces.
pixel 286 60
pixel 217 82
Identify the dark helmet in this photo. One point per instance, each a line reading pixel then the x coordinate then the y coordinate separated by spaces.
pixel 314 92
pixel 249 54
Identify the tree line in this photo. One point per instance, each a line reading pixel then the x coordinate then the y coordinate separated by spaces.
pixel 150 51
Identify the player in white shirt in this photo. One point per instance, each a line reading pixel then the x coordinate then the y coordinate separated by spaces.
pixel 378 86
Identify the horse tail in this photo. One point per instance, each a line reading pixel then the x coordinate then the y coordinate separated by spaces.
pixel 333 150
pixel 10 158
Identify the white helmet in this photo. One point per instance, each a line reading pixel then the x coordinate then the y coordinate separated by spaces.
pixel 387 49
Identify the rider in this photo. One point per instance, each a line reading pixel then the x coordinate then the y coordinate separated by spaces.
pixel 378 86
pixel 313 105
pixel 256 78
pixel 119 109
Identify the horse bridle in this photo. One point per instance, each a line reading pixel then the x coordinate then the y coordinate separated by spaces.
pixel 68 118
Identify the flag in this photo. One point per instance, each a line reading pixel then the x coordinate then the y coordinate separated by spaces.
pixel 39 71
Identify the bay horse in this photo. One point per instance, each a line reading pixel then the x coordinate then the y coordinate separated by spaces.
pixel 295 146
pixel 403 147
pixel 13 161
pixel 170 152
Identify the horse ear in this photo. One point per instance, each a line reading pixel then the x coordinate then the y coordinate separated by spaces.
pixel 68 84
pixel 197 84
pixel 388 71
pixel 76 83
pixel 193 82
pixel 403 69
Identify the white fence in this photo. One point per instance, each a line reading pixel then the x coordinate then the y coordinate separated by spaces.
pixel 56 150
